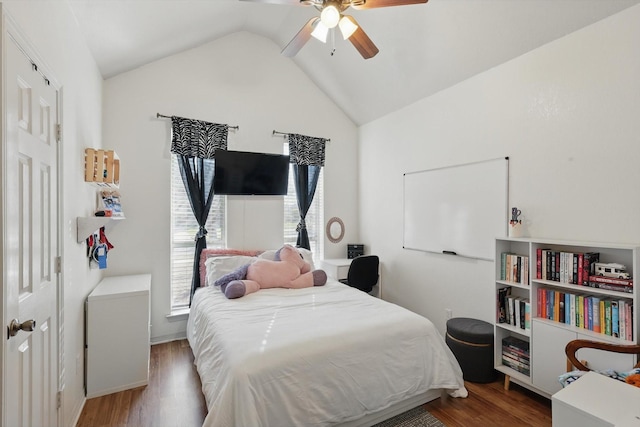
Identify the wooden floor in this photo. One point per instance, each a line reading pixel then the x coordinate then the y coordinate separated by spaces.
pixel 173 398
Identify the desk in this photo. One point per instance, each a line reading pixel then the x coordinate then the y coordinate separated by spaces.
pixel 595 400
pixel 338 269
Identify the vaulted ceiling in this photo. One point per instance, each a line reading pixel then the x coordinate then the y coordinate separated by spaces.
pixel 424 48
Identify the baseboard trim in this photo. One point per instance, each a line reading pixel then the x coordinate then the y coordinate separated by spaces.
pixel 168 338
pixel 76 418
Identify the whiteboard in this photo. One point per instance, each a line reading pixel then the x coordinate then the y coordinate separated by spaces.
pixel 457 210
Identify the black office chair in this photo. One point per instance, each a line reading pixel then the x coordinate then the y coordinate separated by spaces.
pixel 363 273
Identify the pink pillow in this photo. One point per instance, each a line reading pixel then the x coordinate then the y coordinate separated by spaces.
pixel 210 252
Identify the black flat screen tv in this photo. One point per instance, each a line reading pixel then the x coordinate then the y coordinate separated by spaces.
pixel 246 173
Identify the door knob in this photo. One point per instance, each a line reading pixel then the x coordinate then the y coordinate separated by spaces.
pixel 15 326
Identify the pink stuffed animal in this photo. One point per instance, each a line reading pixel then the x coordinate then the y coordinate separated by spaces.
pixel 289 270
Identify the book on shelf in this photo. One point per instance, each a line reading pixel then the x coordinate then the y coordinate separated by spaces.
pixel 543 264
pixel 567 308
pixel 516 343
pixel 516 366
pixel 595 307
pixel 574 268
pixel 565 267
pixel 513 358
pixel 539 263
pixel 580 273
pixel 614 284
pixel 514 268
pixel 501 304
pixel 626 319
pixel 610 287
pixel 558 314
pixel 607 317
pixel 601 314
pixel 611 280
pixel 523 313
pixel 516 353
pixel 588 263
pixel 615 316
pixel 515 309
pixel 588 309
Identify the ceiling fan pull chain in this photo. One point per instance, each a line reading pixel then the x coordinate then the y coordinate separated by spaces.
pixel 333 41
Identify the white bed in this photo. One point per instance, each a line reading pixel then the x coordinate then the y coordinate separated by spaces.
pixel 322 356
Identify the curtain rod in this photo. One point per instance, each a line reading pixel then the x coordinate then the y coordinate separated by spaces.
pixel 158 115
pixel 284 134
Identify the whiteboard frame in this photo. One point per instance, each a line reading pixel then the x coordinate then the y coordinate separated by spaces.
pixel 448 250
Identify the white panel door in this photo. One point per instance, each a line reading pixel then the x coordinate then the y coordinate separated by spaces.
pixel 30 241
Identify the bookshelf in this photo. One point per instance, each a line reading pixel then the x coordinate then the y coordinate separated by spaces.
pixel 548 326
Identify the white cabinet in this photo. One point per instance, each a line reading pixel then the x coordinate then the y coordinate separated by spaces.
pixel 118 334
pixel 549 359
pixel 548 333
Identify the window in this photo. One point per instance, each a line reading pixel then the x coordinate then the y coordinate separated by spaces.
pixel 183 230
pixel 315 216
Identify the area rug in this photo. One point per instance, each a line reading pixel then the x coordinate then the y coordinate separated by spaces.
pixel 416 417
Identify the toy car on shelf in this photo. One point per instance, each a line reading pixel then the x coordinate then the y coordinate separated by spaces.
pixel 611 269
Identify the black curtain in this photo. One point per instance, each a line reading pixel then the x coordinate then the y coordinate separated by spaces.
pixel 197 176
pixel 194 142
pixel 307 156
pixel 306 180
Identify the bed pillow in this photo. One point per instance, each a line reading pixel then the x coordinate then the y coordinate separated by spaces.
pixel 218 266
pixel 307 255
pixel 213 252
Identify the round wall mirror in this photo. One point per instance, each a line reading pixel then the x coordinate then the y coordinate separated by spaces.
pixel 335 230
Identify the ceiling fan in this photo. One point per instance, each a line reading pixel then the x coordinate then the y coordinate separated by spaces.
pixel 331 16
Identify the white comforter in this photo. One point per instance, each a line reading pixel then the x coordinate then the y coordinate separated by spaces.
pixel 312 357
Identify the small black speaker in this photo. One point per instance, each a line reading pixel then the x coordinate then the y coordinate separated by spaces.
pixel 354 250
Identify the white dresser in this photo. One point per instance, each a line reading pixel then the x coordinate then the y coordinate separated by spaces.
pixel 118 334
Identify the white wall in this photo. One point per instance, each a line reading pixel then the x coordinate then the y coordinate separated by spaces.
pixel 566 114
pixel 51 28
pixel 240 80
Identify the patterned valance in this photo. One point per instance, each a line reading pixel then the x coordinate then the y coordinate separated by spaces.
pixel 197 138
pixel 306 150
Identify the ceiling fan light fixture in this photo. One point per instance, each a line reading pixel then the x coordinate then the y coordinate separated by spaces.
pixel 347 27
pixel 320 31
pixel 330 16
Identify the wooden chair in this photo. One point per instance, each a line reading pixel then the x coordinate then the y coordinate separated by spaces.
pixel 573 346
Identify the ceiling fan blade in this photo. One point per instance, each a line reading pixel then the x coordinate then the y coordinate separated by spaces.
pixel 361 41
pixel 300 39
pixel 287 2
pixel 371 4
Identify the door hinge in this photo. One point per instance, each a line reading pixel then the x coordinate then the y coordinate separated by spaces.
pixel 58 132
pixel 58 266
pixel 59 400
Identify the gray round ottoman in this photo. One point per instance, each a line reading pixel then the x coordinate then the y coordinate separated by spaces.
pixel 471 341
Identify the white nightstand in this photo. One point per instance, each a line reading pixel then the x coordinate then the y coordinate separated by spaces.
pixel 595 400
